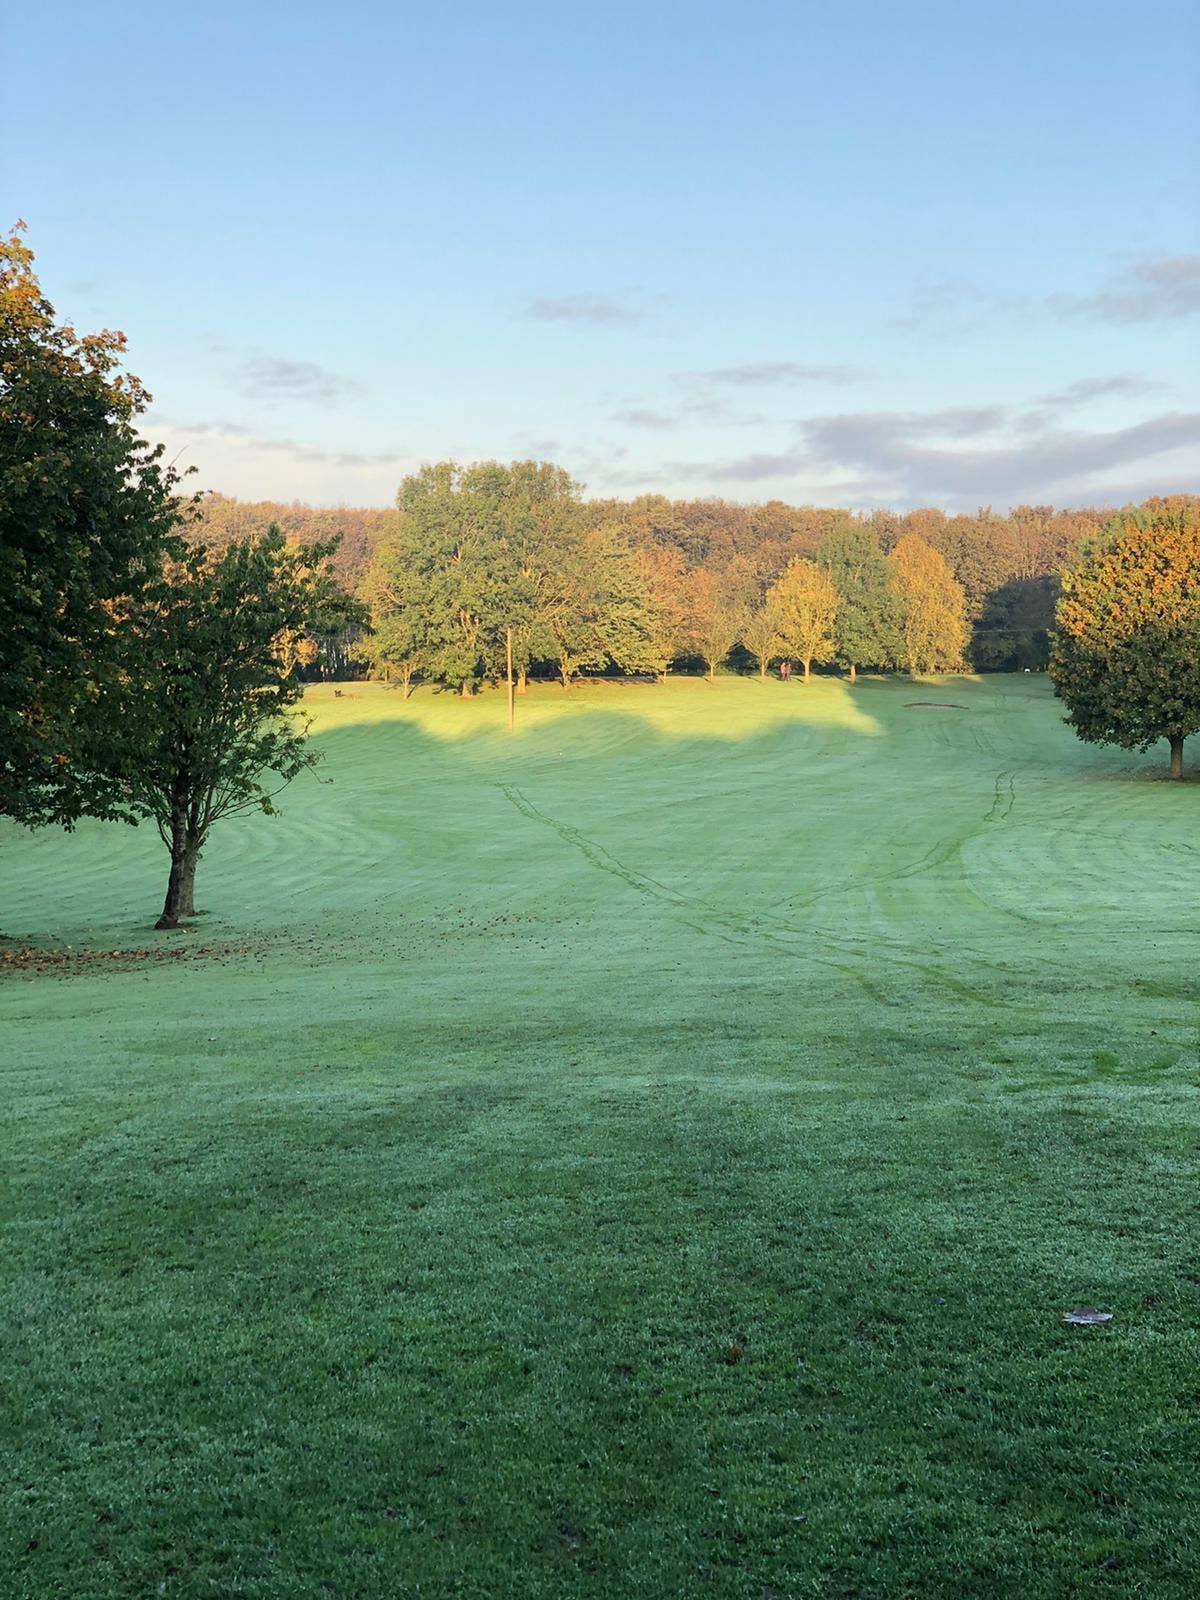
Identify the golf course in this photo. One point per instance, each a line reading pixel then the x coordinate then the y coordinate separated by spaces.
pixel 650 1152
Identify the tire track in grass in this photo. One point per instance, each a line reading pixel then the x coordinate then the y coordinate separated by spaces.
pixel 1004 797
pixel 728 925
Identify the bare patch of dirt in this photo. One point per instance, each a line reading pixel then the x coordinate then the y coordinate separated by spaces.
pixel 19 960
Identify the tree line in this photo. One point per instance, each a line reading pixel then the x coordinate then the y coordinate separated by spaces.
pixel 491 566
pixel 151 663
pixel 1007 566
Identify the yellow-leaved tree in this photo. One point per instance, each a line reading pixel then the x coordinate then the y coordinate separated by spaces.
pixel 932 608
pixel 805 603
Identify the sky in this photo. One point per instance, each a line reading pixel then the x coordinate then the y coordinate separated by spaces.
pixel 873 254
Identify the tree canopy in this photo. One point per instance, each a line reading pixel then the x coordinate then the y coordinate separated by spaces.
pixel 485 551
pixel 1006 565
pixel 1126 658
pixel 866 627
pixel 931 608
pixel 86 510
pixel 209 697
pixel 805 602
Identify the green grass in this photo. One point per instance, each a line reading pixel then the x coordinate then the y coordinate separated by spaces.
pixel 647 1156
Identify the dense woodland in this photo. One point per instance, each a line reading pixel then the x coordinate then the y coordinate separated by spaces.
pixel 1007 566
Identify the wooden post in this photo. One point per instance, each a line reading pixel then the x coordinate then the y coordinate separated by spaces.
pixel 508 664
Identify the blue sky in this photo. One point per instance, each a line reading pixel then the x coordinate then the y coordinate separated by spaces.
pixel 881 253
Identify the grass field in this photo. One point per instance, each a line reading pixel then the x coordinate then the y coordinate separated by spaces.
pixel 646 1156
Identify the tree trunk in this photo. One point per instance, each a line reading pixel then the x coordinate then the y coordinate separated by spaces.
pixel 762 670
pixel 712 672
pixel 187 881
pixel 807 668
pixel 521 681
pixel 853 673
pixel 509 684
pixel 170 910
pixel 564 673
pixel 406 683
pixel 1177 755
pixel 467 690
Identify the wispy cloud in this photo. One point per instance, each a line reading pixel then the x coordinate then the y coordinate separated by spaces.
pixel 637 418
pixel 529 448
pixel 916 452
pixel 243 461
pixel 1120 386
pixel 277 378
pixel 955 305
pixel 962 455
pixel 758 374
pixel 587 307
pixel 1160 288
pixel 234 433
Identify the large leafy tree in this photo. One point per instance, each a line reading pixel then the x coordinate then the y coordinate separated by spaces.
pixel 931 607
pixel 491 554
pixel 762 636
pixel 715 619
pixel 806 603
pixel 450 534
pixel 602 611
pixel 470 560
pixel 86 509
pixel 544 569
pixel 1126 655
pixel 665 577
pixel 211 730
pixel 865 629
pixel 400 641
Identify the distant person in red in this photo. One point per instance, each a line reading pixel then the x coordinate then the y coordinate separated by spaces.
pixel 785 671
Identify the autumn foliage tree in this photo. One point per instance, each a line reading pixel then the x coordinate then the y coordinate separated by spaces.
pixel 1126 656
pixel 714 619
pixel 86 509
pixel 805 602
pixel 931 608
pixel 761 636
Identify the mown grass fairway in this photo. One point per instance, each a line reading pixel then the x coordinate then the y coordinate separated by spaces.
pixel 647 1156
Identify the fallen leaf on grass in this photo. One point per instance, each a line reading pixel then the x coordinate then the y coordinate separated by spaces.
pixel 1085 1315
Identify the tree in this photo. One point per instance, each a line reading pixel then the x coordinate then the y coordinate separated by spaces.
pixel 479 550
pixel 86 510
pixel 666 579
pixel 448 545
pixel 932 612
pixel 1014 627
pixel 714 620
pixel 1126 656
pixel 209 702
pixel 540 535
pixel 761 636
pixel 631 625
pixel 394 592
pixel 603 611
pixel 806 603
pixel 221 520
pixel 865 630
